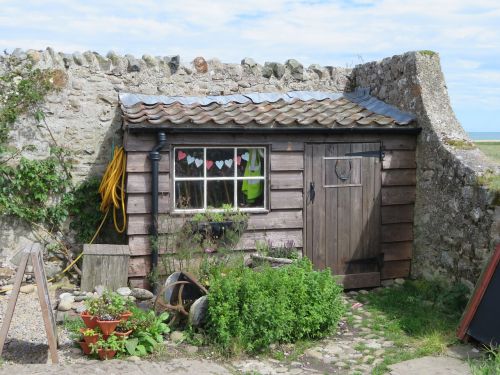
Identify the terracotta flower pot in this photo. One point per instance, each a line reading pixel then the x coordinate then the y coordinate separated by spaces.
pixel 89 339
pixel 89 320
pixel 124 317
pixel 107 326
pixel 123 335
pixel 85 347
pixel 106 353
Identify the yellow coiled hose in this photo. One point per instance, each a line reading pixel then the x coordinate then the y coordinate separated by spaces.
pixel 112 190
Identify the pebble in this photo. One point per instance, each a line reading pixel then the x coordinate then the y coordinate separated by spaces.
pixel 65 305
pixel 124 291
pixel 191 349
pixel 399 281
pixel 66 295
pixel 27 289
pixel 142 294
pixel 177 336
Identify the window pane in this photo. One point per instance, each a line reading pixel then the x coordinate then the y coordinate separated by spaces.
pixel 251 193
pixel 188 194
pixel 219 193
pixel 189 162
pixel 220 162
pixel 250 161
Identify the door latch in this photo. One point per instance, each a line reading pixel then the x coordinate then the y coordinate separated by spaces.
pixel 312 193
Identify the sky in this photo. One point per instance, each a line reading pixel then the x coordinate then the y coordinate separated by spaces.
pixel 465 33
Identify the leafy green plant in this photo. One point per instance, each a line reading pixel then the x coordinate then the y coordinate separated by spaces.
pixel 23 88
pixel 287 250
pixel 250 310
pixel 109 305
pixel 39 192
pixel 148 330
pixel 73 326
pixel 113 342
pixel 89 332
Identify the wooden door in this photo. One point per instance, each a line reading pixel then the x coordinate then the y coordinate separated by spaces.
pixel 342 190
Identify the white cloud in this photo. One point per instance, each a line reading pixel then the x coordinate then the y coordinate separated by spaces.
pixel 466 33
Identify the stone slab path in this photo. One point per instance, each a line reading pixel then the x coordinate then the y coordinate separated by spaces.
pixel 115 367
pixel 431 365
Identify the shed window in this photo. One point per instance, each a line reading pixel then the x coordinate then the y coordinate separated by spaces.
pixel 213 177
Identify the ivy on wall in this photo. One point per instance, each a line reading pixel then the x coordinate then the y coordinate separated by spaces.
pixel 41 192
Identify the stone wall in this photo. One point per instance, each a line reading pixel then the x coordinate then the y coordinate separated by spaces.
pixel 454 217
pixel 456 222
pixel 85 118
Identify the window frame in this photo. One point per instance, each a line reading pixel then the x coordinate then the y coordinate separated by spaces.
pixel 206 178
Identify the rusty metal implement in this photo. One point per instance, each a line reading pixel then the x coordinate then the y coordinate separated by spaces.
pixel 180 291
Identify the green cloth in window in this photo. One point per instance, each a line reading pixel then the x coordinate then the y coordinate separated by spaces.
pixel 253 189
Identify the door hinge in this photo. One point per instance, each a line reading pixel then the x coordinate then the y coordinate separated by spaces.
pixel 368 154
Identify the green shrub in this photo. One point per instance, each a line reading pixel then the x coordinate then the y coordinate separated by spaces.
pixel 249 310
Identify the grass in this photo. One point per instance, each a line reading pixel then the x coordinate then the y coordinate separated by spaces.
pixel 487 366
pixel 419 317
pixel 460 144
pixel 490 149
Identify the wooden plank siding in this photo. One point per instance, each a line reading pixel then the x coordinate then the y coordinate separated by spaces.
pixel 286 187
pixel 397 201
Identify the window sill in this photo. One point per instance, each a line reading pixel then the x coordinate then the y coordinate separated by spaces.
pixel 257 211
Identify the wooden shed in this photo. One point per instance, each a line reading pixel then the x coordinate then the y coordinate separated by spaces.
pixel 333 172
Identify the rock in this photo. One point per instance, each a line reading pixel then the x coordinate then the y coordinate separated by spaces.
pixel 177 336
pixel 173 62
pixel 66 295
pixel 399 281
pixel 465 352
pixel 296 69
pixel 6 273
pixel 8 287
pixel 124 291
pixel 80 308
pixel 431 365
pixel 314 353
pixel 53 269
pixel 387 283
pixel 99 289
pixel 363 291
pixel 142 294
pixel 133 64
pixel 191 349
pixel 248 61
pixel 81 298
pixel 65 305
pixel 273 68
pixel 27 289
pixel 200 65
pixel 133 358
pixel 374 345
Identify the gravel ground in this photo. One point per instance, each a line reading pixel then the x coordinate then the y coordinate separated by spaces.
pixel 26 340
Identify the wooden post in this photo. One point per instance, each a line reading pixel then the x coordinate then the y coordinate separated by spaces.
pixel 34 252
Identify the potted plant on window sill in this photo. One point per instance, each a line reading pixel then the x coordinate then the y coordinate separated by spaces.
pixel 214 223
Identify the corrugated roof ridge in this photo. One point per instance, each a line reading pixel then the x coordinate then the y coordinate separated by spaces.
pixel 360 96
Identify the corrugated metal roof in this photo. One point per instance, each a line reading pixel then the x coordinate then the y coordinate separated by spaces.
pixel 295 108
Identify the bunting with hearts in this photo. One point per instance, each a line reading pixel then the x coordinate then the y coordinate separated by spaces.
pixel 209 164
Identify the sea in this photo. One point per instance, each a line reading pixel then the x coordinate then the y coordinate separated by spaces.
pixel 484 136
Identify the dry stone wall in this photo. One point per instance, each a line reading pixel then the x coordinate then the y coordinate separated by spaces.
pixel 456 221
